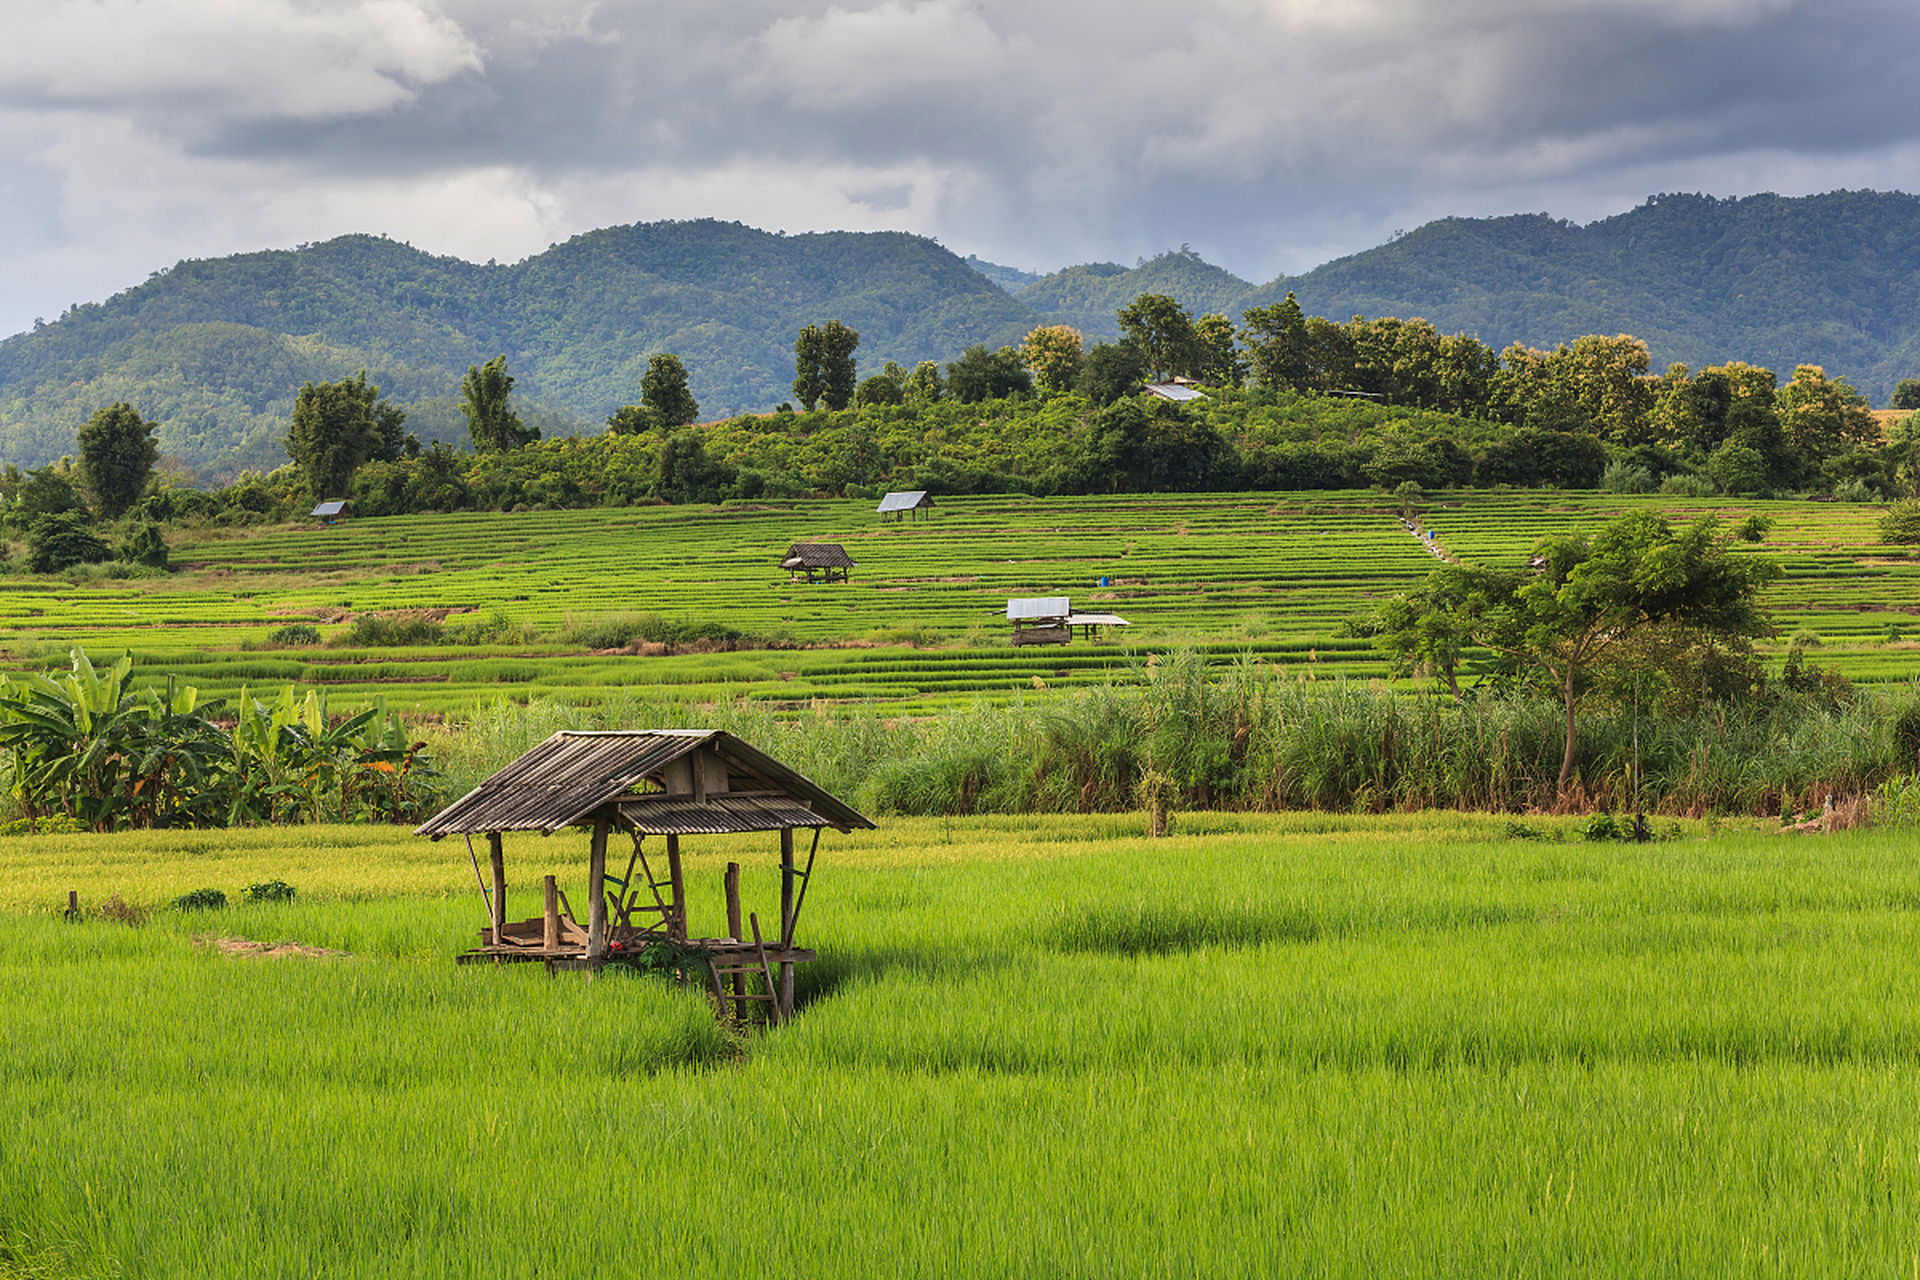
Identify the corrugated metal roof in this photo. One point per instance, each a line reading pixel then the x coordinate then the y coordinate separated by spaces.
pixel 681 816
pixel 1173 391
pixel 1095 620
pixel 561 782
pixel 906 501
pixel 331 508
pixel 817 555
pixel 1039 607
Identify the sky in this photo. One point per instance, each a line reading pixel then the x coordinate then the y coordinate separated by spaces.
pixel 1268 135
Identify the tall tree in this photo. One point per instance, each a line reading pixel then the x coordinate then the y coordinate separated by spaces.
pixel 117 453
pixel 485 395
pixel 980 374
pixel 1584 604
pixel 823 365
pixel 663 389
pixel 1054 353
pixel 1276 341
pixel 1217 352
pixel 1161 328
pixel 336 427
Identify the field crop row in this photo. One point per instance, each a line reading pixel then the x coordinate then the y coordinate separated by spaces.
pixel 1277 574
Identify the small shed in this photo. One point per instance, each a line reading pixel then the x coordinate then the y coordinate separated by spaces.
pixel 1174 391
pixel 816 559
pixel 330 510
pixel 1041 620
pixel 910 505
pixel 665 783
pixel 1090 623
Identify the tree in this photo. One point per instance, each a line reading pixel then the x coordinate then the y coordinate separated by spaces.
pixel 1820 417
pixel 484 402
pixel 1586 603
pixel 62 540
pixel 1054 353
pixel 117 453
pixel 1161 328
pixel 1276 341
pixel 1906 394
pixel 823 365
pixel 1113 371
pixel 980 374
pixel 1217 351
pixel 663 389
pixel 879 389
pixel 336 427
pixel 924 385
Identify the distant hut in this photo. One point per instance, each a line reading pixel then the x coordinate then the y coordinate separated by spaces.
pixel 1090 623
pixel 667 783
pixel 1041 620
pixel 816 559
pixel 910 505
pixel 1178 393
pixel 330 510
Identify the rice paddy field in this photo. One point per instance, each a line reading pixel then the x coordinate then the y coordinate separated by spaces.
pixel 920 627
pixel 1300 1045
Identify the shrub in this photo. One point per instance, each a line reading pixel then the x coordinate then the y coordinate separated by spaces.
pixel 200 900
pixel 63 540
pixel 120 911
pixel 1854 489
pixel 270 891
pixel 146 546
pixel 1686 485
pixel 1627 477
pixel 294 634
pixel 1901 524
pixel 385 631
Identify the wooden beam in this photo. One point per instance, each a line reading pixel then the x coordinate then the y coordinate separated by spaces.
pixel 597 892
pixel 497 856
pixel 785 1003
pixel 677 920
pixel 550 936
pixel 733 931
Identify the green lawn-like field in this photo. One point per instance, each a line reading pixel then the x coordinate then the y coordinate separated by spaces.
pixel 1274 575
pixel 1268 1046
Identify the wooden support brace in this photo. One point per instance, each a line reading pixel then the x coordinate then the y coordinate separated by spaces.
pixel 677 922
pixel 498 858
pixel 550 938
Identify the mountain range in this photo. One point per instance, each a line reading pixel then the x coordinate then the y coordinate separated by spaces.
pixel 215 349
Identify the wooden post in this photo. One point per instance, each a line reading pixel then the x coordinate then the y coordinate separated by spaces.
pixel 73 901
pixel 733 928
pixel 597 893
pixel 550 940
pixel 677 923
pixel 786 920
pixel 499 860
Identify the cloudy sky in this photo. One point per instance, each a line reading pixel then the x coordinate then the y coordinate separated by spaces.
pixel 1271 135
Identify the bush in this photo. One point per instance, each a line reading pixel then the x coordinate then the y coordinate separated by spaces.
pixel 270 891
pixel 385 631
pixel 63 540
pixel 1901 524
pixel 1686 485
pixel 200 900
pixel 147 546
pixel 1627 477
pixel 293 635
pixel 1854 489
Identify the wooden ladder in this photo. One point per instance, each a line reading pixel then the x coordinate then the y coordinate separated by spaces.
pixel 741 999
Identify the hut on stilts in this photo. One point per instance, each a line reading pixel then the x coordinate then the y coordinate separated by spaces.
pixel 666 783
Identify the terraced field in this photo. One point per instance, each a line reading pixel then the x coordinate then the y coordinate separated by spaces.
pixel 921 624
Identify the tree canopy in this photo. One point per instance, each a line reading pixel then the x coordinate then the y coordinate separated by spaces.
pixel 117 453
pixel 1582 605
pixel 485 402
pixel 339 426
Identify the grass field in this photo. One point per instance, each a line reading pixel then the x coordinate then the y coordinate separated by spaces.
pixel 1297 1045
pixel 1274 575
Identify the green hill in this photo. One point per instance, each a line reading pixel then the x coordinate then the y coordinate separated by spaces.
pixel 215 350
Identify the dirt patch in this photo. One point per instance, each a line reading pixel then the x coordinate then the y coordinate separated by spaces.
pixel 270 950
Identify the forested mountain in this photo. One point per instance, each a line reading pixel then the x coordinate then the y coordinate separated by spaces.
pixel 1832 280
pixel 215 350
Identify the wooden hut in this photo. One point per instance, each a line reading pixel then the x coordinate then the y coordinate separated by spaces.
pixel 909 505
pixel 330 510
pixel 1041 620
pixel 666 783
pixel 818 560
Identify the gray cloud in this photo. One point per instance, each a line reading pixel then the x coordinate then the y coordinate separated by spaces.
pixel 1269 134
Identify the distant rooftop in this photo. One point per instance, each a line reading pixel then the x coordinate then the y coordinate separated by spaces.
pixel 1174 391
pixel 906 501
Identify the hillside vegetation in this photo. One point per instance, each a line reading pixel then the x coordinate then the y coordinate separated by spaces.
pixel 215 350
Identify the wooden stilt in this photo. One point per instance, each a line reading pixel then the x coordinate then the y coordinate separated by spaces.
pixel 778 1009
pixel 498 858
pixel 733 931
pixel 677 921
pixel 785 1002
pixel 550 939
pixel 597 893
